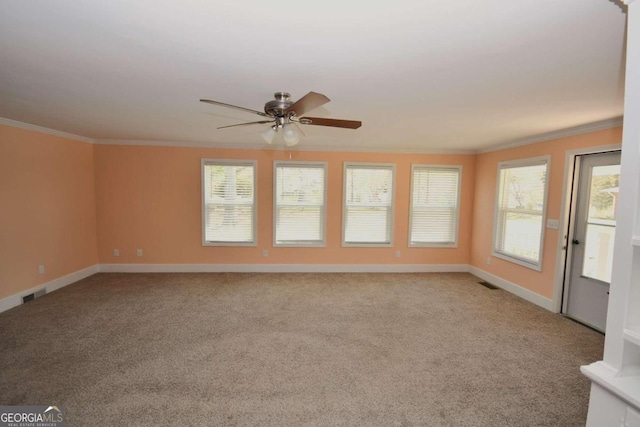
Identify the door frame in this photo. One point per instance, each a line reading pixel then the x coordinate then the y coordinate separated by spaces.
pixel 582 192
pixel 565 232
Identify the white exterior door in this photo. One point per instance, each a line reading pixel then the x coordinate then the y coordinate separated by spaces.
pixel 592 237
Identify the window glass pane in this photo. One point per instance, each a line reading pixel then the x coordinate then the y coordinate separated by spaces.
pixel 601 222
pixel 229 203
pixel 521 235
pixel 297 224
pixel 367 225
pixel 523 187
pixel 603 194
pixel 598 252
pixel 433 226
pixel 369 186
pixel 368 192
pixel 299 204
pixel 519 220
pixel 434 205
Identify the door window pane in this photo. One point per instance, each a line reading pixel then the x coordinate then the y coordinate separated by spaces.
pixel 601 222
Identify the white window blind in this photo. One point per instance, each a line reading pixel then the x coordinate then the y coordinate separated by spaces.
pixel 521 200
pixel 434 205
pixel 228 202
pixel 368 204
pixel 299 204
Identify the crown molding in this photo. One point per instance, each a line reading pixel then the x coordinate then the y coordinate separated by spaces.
pixel 53 132
pixel 561 133
pixel 576 130
pixel 276 147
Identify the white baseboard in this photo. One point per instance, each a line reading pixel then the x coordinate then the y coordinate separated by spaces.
pixel 284 268
pixel 53 285
pixel 16 299
pixel 518 290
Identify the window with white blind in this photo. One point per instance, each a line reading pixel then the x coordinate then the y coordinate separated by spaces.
pixel 367 215
pixel 520 211
pixel 433 217
pixel 299 203
pixel 228 202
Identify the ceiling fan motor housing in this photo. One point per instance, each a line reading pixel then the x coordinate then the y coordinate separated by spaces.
pixel 279 105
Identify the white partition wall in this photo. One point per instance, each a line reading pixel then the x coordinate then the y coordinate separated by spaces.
pixel 615 389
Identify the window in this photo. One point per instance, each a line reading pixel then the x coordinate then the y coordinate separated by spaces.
pixel 434 205
pixel 228 202
pixel 520 210
pixel 367 217
pixel 299 203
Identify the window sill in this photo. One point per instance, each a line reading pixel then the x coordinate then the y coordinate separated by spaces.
pixel 536 267
pixel 434 245
pixel 252 244
pixel 299 245
pixel 367 245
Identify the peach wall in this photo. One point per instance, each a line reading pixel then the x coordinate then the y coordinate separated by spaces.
pixel 67 204
pixel 540 282
pixel 150 198
pixel 47 208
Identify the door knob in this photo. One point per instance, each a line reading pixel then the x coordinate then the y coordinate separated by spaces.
pixel 575 241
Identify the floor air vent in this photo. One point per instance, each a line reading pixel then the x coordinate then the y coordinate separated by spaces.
pixel 488 285
pixel 36 294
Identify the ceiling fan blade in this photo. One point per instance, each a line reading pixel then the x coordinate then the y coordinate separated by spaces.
pixel 247 124
pixel 309 102
pixel 319 121
pixel 248 110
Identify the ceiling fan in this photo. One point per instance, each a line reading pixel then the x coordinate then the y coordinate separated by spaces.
pixel 286 114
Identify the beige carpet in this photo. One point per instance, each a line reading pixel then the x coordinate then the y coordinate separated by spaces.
pixel 295 350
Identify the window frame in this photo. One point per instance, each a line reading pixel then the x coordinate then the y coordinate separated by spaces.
pixel 390 226
pixel 453 244
pixel 229 162
pixel 509 164
pixel 323 213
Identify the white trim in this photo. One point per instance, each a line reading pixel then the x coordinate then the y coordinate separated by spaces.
pixel 277 147
pixel 563 230
pixel 323 213
pixel 284 268
pixel 576 130
pixel 548 136
pixel 521 262
pixel 53 285
pixel 392 213
pixel 624 386
pixel 16 299
pixel 53 132
pixel 517 290
pixel 517 163
pixel 561 133
pixel 453 244
pixel 230 162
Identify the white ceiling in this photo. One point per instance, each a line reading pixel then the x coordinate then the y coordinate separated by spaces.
pixel 421 75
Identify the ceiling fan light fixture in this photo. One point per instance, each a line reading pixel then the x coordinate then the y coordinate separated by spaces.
pixel 284 113
pixel 290 135
pixel 269 134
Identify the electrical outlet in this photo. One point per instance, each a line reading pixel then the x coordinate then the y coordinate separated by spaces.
pixel 139 252
pixel 41 269
pixel 116 252
pixel 397 254
pixel 488 260
pixel 553 224
pixel 265 253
